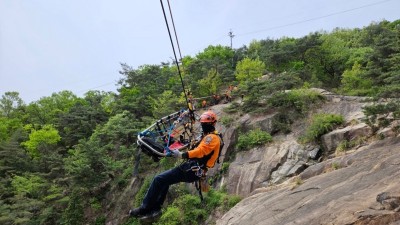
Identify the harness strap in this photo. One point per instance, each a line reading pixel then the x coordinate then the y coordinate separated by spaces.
pixel 199 172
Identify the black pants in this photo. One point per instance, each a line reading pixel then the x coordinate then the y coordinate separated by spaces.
pixel 158 189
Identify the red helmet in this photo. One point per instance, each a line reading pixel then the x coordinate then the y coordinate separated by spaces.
pixel 208 117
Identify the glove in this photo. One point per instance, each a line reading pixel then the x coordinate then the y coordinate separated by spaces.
pixel 176 154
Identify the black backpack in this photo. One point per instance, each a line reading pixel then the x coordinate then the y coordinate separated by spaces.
pixel 221 138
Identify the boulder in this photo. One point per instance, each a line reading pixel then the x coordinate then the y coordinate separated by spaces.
pixel 332 140
pixel 266 165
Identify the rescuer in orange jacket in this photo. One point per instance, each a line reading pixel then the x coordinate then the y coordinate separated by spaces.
pixel 198 161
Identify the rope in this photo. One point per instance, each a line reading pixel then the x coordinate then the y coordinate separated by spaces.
pixel 137 161
pixel 176 36
pixel 189 104
pixel 176 59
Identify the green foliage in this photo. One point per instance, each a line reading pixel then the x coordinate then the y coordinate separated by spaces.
pixel 210 84
pixel 48 135
pixel 226 120
pixel 252 139
pixel 82 164
pixel 354 83
pixel 101 220
pixel 143 190
pixel 193 211
pixel 215 60
pixel 389 91
pixel 108 151
pixel 47 109
pixel 139 86
pixel 171 216
pixel 225 167
pixel 281 122
pixel 217 52
pixel 231 201
pixel 98 132
pixel 167 163
pixel 216 199
pixel 189 210
pixel 375 115
pixel 256 92
pixel 82 118
pixel 74 213
pixel 95 204
pixel 8 126
pixel 333 55
pixel 14 159
pixel 348 144
pixel 10 103
pixel 232 108
pixel 165 104
pixel 249 69
pixel 299 100
pixel 54 193
pixel 31 185
pixel 320 125
pixel 335 166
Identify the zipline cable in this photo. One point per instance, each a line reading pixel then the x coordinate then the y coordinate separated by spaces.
pixel 176 36
pixel 314 18
pixel 176 59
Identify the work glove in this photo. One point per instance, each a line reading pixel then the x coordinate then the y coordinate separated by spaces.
pixel 176 154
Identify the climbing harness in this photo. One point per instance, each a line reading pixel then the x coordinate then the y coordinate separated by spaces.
pixel 202 183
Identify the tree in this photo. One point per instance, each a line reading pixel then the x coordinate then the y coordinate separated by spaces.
pixel 13 158
pixel 210 84
pixel 165 104
pixel 249 69
pixel 262 50
pixel 82 118
pixel 106 153
pixel 135 101
pixel 354 81
pixel 220 53
pixel 10 102
pixel 29 185
pixel 283 54
pixel 139 86
pixel 383 66
pixel 220 58
pixel 48 135
pixel 47 109
pixel 74 213
pixel 327 62
pixel 254 50
pixel 8 126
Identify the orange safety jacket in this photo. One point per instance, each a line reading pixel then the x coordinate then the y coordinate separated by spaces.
pixel 207 151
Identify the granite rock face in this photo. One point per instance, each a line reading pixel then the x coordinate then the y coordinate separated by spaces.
pixel 285 182
pixel 361 187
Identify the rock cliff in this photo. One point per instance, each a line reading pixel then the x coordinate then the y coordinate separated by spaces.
pixel 363 189
pixel 286 182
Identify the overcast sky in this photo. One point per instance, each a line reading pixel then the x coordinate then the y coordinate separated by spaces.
pixel 47 46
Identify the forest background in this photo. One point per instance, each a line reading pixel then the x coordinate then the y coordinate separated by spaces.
pixel 61 155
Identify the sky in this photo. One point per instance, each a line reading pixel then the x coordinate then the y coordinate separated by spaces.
pixel 47 46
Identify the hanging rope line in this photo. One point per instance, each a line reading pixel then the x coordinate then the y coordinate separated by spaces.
pixel 175 131
pixel 176 36
pixel 176 59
